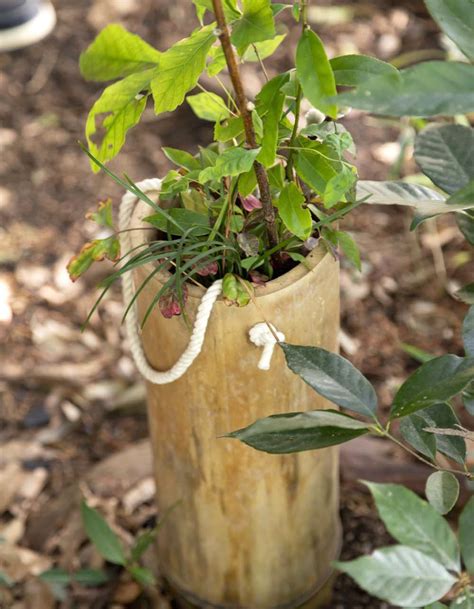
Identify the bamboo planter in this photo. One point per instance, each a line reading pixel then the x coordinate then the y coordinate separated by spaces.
pixel 252 530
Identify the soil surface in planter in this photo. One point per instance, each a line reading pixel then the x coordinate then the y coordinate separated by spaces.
pixel 72 402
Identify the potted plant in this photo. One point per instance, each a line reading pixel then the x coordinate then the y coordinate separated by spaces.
pixel 250 221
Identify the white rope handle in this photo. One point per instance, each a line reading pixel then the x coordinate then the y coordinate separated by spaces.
pixel 260 335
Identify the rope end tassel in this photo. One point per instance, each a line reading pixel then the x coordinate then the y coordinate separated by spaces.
pixel 261 336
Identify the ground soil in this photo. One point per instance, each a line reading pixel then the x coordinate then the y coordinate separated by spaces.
pixel 70 400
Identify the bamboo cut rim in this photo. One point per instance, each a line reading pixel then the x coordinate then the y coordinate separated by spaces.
pixel 139 237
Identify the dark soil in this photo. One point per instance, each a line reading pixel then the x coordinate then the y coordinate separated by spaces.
pixel 62 392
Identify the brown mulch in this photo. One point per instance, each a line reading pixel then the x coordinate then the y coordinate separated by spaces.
pixel 71 399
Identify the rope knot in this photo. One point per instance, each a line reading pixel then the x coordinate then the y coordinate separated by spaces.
pixel 261 336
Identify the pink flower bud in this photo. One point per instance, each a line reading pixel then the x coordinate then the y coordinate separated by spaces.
pixel 251 202
pixel 208 269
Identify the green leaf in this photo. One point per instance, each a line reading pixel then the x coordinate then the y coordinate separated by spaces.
pixel 102 536
pixel 442 416
pixel 142 575
pixel 412 431
pixel 123 104
pixel 235 290
pixel 338 186
pixel 456 19
pixel 435 381
pixel 463 602
pixel 231 11
pixel 97 250
pixel 264 49
pixel 465 222
pixel 468 332
pixel 270 102
pixel 295 217
pixel 314 167
pixel 400 575
pixel 349 247
pixel 426 201
pixel 415 523
pixel 466 294
pixel 103 215
pixel 419 355
pixel 463 198
pixel 333 377
pixel 442 491
pixel 181 158
pixel 247 183
pixel 315 74
pixel 90 577
pixel 255 25
pixel 186 221
pixel 56 576
pixel 466 538
pixel 208 106
pixel 116 53
pixel 430 88
pixel 232 162
pixel 445 153
pixel 354 70
pixel 180 68
pixel 298 431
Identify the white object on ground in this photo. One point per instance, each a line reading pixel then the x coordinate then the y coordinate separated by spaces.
pixel 31 31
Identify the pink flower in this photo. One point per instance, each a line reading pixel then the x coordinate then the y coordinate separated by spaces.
pixel 169 304
pixel 208 269
pixel 251 202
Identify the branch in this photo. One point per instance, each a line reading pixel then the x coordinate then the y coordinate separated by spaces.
pixel 245 113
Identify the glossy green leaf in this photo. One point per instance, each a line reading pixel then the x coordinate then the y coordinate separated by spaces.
pixel 299 431
pixel 430 88
pixel 349 248
pixel 435 381
pixel 468 332
pixel 412 431
pixel 465 222
pixel 466 294
pixel 122 104
pixel 102 536
pixel 442 416
pixel 445 153
pixel 333 377
pixel 255 25
pixel 400 575
pixel 232 162
pixel 463 198
pixel 354 70
pixel 425 201
pixel 456 19
pixel 247 183
pixel 442 491
pixel 466 537
pixel 186 221
pixel 208 106
pixel 295 217
pixel 468 398
pixel 338 186
pixel 180 68
pixel 315 74
pixel 116 53
pixel 415 523
pixel 56 575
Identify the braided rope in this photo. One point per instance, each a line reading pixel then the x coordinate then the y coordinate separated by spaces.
pixel 131 322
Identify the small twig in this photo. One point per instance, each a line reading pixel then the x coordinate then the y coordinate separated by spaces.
pixel 262 65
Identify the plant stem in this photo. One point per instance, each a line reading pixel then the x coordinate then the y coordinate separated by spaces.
pixel 245 112
pixel 299 97
pixel 423 460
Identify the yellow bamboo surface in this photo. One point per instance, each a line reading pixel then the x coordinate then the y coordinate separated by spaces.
pixel 251 530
